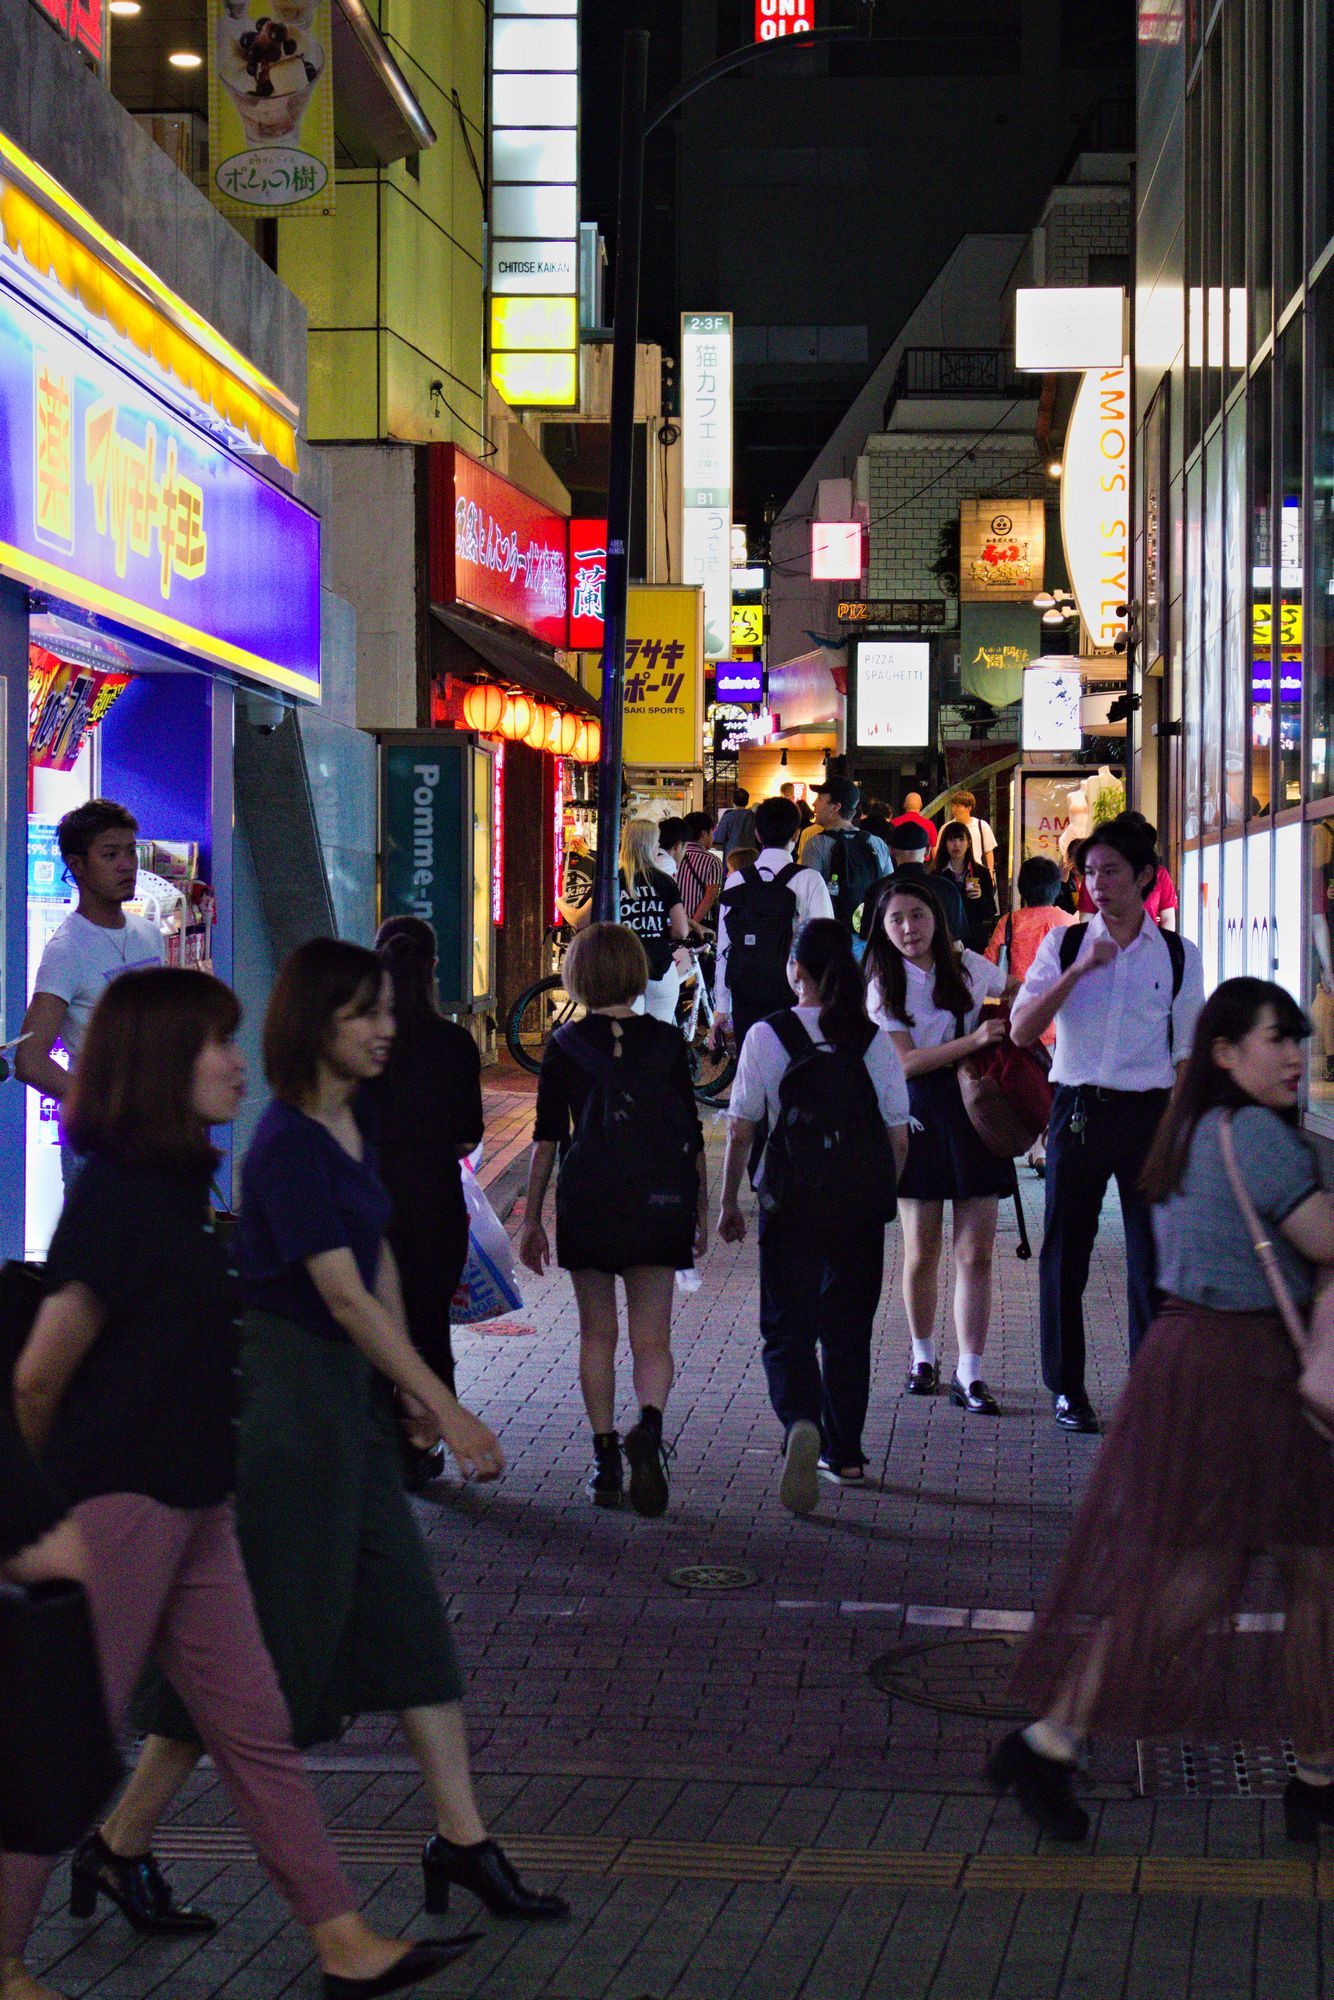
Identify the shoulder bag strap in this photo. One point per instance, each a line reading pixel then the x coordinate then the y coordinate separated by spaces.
pixel 1176 952
pixel 1072 937
pixel 1265 1252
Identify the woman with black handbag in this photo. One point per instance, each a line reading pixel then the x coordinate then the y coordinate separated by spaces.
pixel 126 1386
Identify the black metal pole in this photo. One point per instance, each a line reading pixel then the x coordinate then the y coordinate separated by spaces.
pixel 621 446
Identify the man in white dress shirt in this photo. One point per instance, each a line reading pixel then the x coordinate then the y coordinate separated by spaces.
pixel 1125 997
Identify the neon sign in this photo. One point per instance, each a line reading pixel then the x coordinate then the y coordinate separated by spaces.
pixel 494 547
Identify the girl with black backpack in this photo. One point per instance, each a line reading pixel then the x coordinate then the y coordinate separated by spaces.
pixel 930 999
pixel 615 1098
pixel 831 1087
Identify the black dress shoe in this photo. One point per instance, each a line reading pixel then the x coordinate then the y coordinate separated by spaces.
pixel 135 1884
pixel 1306 1808
pixel 923 1378
pixel 422 1961
pixel 488 1872
pixel 1076 1413
pixel 976 1397
pixel 1041 1786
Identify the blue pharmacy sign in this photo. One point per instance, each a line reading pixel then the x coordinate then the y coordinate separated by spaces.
pixel 111 501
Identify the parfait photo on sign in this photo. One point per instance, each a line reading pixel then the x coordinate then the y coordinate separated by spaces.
pixel 270 107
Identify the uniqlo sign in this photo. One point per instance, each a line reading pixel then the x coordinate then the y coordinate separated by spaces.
pixel 783 17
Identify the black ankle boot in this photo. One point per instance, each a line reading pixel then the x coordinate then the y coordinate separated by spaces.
pixel 1306 1808
pixel 486 1871
pixel 1041 1785
pixel 135 1884
pixel 607 1479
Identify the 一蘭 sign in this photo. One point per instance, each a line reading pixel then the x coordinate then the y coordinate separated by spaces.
pixel 588 582
pixel 270 107
pixel 664 676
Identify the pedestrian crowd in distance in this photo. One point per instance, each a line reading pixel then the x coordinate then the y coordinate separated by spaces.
pixel 211 1429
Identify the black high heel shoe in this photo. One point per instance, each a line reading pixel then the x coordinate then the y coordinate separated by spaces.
pixel 423 1961
pixel 489 1874
pixel 136 1885
pixel 1306 1808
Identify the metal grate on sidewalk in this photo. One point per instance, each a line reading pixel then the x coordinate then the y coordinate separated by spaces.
pixel 1181 1769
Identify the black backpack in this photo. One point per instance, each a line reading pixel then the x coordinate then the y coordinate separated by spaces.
pixel 760 928
pixel 635 1149
pixel 853 873
pixel 1072 939
pixel 828 1162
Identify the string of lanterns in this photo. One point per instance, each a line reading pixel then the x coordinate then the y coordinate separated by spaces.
pixel 539 724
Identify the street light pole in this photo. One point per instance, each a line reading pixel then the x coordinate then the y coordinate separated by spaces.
pixel 636 124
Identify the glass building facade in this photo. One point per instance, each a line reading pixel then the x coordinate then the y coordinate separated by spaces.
pixel 1234 474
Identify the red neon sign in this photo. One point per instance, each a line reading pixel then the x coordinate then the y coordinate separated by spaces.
pixel 588 582
pixel 498 835
pixel 774 18
pixel 558 834
pixel 495 548
pixel 81 20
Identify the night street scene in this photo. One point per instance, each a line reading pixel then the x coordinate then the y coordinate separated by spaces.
pixel 666 1000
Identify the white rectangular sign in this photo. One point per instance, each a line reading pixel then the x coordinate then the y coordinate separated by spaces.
pixel 1051 709
pixel 893 694
pixel 706 444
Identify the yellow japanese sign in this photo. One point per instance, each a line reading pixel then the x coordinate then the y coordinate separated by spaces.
pixel 664 675
pixel 1290 629
pixel 747 625
pixel 270 107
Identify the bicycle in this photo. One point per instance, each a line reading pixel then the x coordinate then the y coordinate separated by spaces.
pixel 546 1005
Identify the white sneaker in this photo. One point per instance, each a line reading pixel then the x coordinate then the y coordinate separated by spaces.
pixel 799 1489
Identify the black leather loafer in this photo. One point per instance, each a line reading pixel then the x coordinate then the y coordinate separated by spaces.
pixel 1041 1785
pixel 923 1378
pixel 1306 1808
pixel 421 1961
pixel 490 1875
pixel 978 1397
pixel 1076 1413
pixel 137 1887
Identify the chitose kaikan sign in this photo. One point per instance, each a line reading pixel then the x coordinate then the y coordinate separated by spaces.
pixel 495 548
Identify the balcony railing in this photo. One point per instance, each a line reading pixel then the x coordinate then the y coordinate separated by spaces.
pixel 959 371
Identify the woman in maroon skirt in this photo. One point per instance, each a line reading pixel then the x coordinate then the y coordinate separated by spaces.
pixel 1210 1462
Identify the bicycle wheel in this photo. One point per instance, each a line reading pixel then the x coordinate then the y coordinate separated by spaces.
pixel 711 1070
pixel 534 1018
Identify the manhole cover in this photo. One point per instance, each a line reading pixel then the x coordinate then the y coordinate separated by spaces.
pixel 712 1576
pixel 952 1676
pixel 1228 1770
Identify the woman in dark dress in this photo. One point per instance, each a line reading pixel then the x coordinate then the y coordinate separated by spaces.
pixel 954 858
pixel 344 1589
pixel 427 1116
pixel 640 1220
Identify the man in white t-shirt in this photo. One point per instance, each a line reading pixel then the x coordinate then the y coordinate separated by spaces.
pixel 97 942
pixel 962 809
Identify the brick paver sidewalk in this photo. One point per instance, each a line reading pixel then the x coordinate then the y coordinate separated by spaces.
pixel 772 1792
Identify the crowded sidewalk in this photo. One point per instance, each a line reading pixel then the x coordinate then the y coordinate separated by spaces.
pixel 769 1787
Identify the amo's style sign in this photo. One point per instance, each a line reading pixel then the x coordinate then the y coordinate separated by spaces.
pixel 1095 502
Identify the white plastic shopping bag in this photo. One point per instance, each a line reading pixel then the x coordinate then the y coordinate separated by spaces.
pixel 490 1282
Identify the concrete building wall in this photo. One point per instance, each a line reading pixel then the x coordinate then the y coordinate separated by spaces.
pixel 906 522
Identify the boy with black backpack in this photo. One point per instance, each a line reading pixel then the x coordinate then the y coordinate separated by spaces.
pixel 831 1088
pixel 763 907
pixel 1125 997
pixel 850 859
pixel 616 1099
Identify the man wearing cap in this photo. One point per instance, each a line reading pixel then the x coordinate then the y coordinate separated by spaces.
pixel 850 860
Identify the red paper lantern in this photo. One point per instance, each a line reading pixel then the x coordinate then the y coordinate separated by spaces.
pixel 594 742
pixel 536 738
pixel 568 732
pixel 484 709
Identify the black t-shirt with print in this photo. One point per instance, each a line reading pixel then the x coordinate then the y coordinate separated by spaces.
pixel 646 908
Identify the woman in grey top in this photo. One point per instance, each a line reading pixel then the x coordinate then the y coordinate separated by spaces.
pixel 1210 1461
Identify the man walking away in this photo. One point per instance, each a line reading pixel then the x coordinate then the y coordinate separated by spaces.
pixel 851 862
pixel 764 905
pixel 96 943
pixel 699 875
pixel 912 812
pixel 1125 997
pixel 736 826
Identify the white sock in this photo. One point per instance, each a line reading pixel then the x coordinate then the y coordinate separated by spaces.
pixel 1053 1739
pixel 969 1369
pixel 923 1351
pixel 1315 1774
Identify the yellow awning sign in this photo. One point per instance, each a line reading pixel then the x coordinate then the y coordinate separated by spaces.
pixel 59 241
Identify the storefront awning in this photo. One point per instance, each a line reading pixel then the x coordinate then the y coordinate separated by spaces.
pixel 378 117
pixel 463 645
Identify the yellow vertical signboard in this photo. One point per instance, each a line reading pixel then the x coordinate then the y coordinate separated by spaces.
pixel 664 675
pixel 270 107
